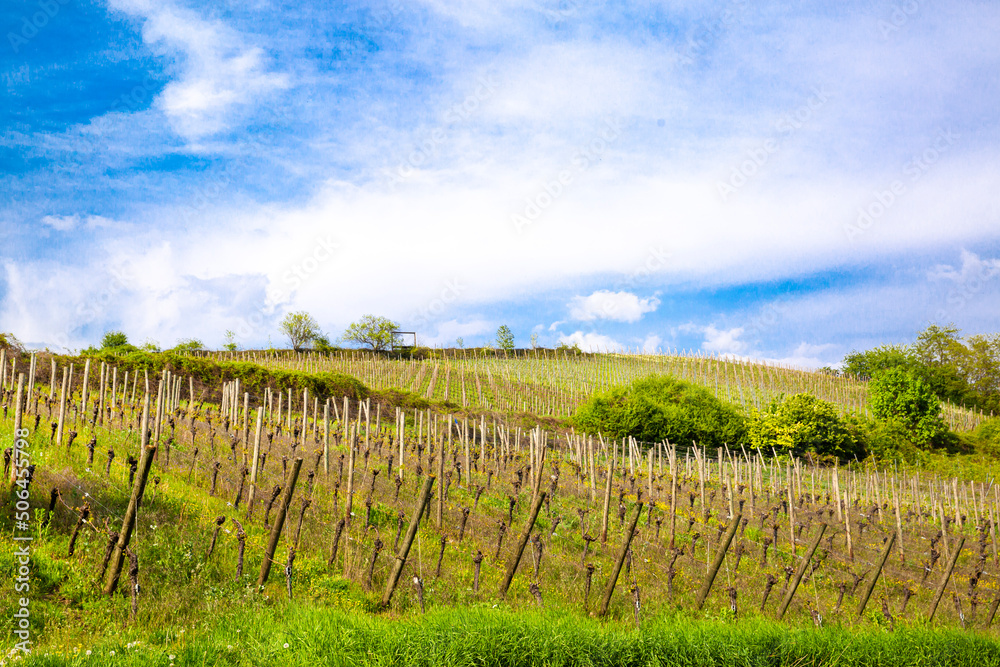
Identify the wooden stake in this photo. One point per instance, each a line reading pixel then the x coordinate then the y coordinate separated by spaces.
pixel 609 591
pixel 800 571
pixel 522 541
pixel 279 520
pixel 720 555
pixel 411 532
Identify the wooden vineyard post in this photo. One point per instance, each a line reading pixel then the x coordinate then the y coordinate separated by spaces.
pixel 609 591
pixel 138 487
pixel 18 418
pixel 944 580
pixel 650 474
pixel 256 459
pixel 607 503
pixel 522 541
pixel 326 438
pixel 279 521
pixel 440 476
pixel 411 532
pixel 878 571
pixel 349 501
pixel 85 387
pixel 800 571
pixel 672 460
pixel 720 555
pixel 62 407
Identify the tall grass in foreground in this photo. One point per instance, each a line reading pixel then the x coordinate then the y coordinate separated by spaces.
pixel 305 635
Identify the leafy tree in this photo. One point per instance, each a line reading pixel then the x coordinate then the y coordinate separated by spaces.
pixel 505 338
pixel 150 345
pixel 300 328
pixel 188 345
pixel 869 363
pixel 902 396
pixel 662 407
pixel 803 423
pixel 460 342
pixel 114 339
pixel 230 344
pixel 375 332
pixel 322 344
pixel 534 341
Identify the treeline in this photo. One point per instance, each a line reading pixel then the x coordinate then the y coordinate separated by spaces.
pixel 963 371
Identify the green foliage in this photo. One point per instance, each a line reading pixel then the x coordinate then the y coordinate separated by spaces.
pixel 803 423
pixel 890 440
pixel 230 344
pixel 374 332
pixel 188 346
pixel 150 345
pixel 962 372
pixel 986 438
pixel 322 344
pixel 116 340
pixel 662 407
pixel 300 328
pixel 505 338
pixel 901 396
pixel 252 376
pixel 870 363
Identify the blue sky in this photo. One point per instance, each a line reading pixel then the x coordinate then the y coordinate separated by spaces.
pixel 770 180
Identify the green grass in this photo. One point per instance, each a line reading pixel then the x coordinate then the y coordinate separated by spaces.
pixel 308 635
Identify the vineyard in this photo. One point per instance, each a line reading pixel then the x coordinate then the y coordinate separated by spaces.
pixel 553 383
pixel 152 512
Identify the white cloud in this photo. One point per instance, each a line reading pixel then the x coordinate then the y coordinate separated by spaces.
pixel 723 341
pixel 651 345
pixel 973 268
pixel 591 342
pixel 607 305
pixel 61 223
pixel 810 356
pixel 217 70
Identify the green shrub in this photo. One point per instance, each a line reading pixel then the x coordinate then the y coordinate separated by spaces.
pixel 662 407
pixel 803 423
pixel 188 346
pixel 986 438
pixel 901 396
pixel 890 440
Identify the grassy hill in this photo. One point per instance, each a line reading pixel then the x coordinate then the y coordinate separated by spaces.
pixel 192 604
